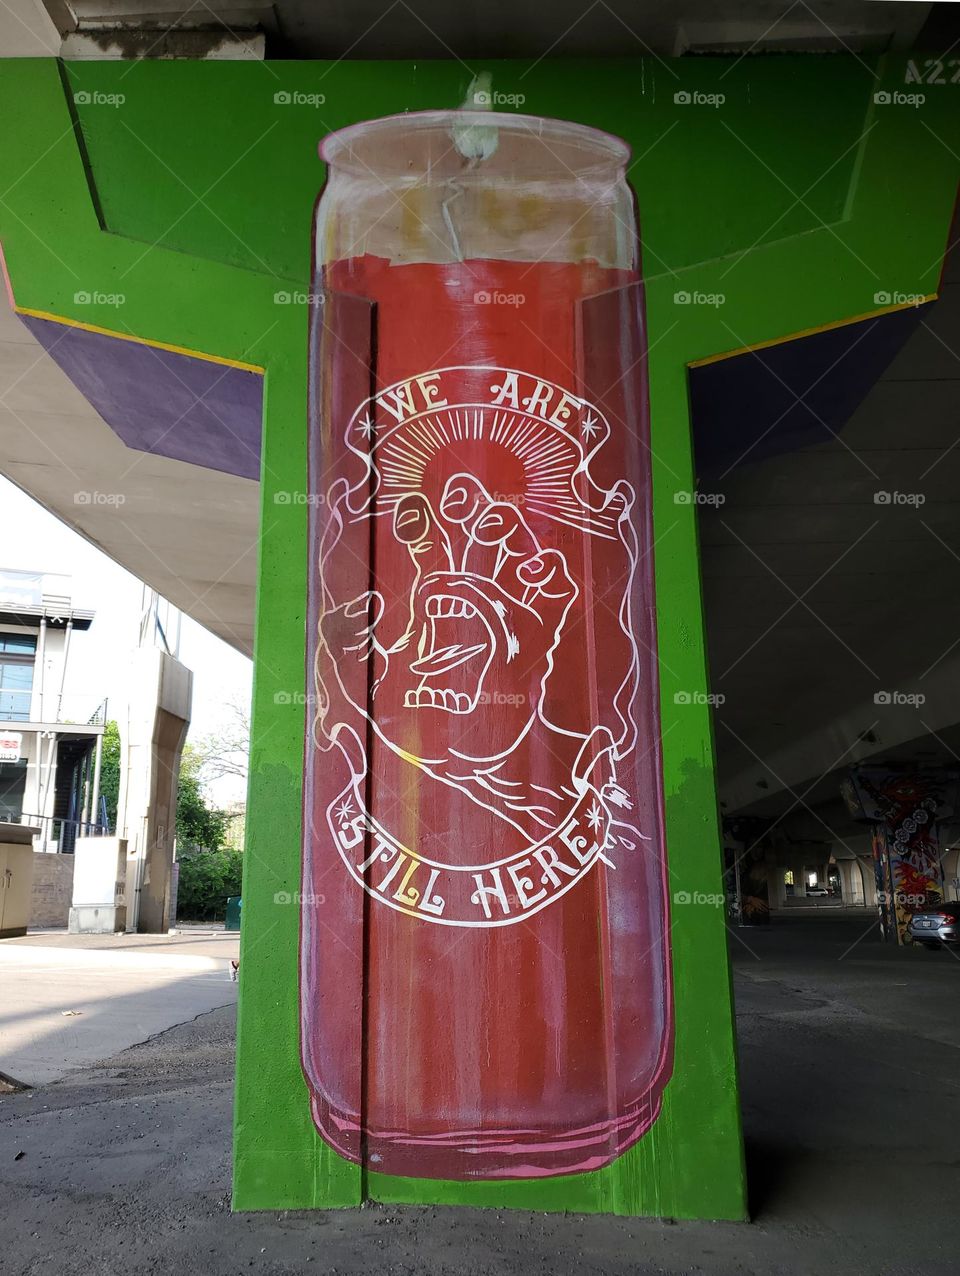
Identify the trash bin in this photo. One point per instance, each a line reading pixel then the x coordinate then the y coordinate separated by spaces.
pixel 233 913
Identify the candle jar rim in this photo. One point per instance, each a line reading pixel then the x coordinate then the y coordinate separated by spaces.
pixel 436 145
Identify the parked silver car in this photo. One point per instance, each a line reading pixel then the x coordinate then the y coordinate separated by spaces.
pixel 941 925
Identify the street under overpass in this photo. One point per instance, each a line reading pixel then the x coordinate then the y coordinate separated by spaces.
pixel 804 328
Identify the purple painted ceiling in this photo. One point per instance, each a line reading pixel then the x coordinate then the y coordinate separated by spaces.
pixel 789 396
pixel 161 402
pixel 745 408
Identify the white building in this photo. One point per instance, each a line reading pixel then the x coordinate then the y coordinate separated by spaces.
pixel 49 766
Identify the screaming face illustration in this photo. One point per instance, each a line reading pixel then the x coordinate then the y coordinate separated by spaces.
pixel 482 615
pixel 469 682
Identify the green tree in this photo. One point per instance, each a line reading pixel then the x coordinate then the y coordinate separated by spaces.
pixel 206 879
pixel 110 770
pixel 197 823
pixel 209 872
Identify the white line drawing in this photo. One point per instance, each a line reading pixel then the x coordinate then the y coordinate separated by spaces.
pixel 474 640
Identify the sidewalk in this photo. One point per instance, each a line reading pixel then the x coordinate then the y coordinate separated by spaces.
pixel 200 941
pixel 67 1001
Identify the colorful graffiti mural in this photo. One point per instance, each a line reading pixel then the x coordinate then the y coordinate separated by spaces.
pixel 904 808
pixel 490 996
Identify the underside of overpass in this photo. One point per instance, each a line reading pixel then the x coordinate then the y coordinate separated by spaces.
pixel 803 304
pixel 831 570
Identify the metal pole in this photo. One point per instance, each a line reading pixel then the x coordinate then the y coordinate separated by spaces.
pixel 63 671
pixel 149 616
pixel 47 785
pixel 86 792
pixel 97 759
pixel 41 663
pixel 138 876
pixel 38 785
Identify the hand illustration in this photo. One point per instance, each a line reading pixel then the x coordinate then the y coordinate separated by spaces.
pixel 481 615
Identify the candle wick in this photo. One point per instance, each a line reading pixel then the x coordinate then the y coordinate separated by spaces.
pixel 455 193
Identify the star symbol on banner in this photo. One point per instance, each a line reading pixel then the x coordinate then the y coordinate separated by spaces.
pixel 590 426
pixel 345 810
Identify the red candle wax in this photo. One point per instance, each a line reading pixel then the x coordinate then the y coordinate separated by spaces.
pixel 485 976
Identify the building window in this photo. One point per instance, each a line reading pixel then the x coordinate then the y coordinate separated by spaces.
pixel 18 653
pixel 13 779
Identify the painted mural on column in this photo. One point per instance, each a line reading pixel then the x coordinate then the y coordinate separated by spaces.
pixel 713 223
pixel 490 997
pixel 905 808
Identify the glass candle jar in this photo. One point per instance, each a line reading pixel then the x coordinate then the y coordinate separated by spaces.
pixel 485 986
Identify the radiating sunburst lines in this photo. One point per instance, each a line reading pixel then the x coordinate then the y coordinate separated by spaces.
pixel 549 460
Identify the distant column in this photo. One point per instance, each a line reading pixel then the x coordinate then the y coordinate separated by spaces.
pixel 158 715
pixel 95 796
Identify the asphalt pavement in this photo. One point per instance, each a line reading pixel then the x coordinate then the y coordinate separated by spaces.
pixel 67 1001
pixel 851 1100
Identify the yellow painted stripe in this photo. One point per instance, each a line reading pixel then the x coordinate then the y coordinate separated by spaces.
pixel 141 341
pixel 811 332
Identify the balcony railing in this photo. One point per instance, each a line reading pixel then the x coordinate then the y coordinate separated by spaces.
pixel 16 705
pixel 63 832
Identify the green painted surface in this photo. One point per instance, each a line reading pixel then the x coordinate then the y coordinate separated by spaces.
pixel 798 198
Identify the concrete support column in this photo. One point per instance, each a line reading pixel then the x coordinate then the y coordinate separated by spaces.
pixel 776 887
pixel 868 879
pixel 950 863
pixel 851 883
pixel 158 716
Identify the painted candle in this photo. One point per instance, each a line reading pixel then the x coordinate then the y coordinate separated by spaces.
pixel 485 985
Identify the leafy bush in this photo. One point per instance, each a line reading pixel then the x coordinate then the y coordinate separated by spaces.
pixel 110 770
pixel 197 823
pixel 206 878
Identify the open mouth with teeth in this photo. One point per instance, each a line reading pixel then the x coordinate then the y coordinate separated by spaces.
pixel 456 647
